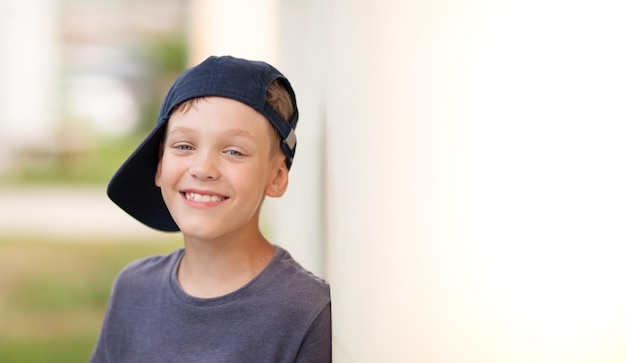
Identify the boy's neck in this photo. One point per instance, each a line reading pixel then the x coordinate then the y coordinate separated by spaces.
pixel 215 268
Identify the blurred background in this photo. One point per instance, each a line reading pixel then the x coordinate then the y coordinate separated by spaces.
pixel 459 179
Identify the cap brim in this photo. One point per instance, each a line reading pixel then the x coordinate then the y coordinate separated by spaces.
pixel 133 187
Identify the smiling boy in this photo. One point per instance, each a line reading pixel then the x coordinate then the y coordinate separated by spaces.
pixel 223 141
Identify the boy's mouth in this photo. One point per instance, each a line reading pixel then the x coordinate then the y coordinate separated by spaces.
pixel 203 198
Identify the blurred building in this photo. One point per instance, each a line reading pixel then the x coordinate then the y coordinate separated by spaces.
pixel 72 70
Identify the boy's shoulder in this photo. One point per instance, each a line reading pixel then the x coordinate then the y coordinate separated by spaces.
pixel 146 264
pixel 290 294
pixel 147 269
pixel 286 274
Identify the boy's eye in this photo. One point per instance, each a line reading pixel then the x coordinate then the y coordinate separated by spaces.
pixel 232 152
pixel 183 147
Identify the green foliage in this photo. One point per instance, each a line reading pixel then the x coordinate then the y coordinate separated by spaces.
pixel 168 55
pixel 53 294
pixel 165 59
pixel 95 165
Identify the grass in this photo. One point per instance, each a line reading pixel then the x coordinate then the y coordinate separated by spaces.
pixel 53 294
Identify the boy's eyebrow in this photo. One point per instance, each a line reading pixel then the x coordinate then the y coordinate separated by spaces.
pixel 231 132
pixel 239 132
pixel 182 129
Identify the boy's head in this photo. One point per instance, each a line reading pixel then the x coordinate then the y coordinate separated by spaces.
pixel 255 84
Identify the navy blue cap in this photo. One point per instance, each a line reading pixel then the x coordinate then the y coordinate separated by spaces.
pixel 133 188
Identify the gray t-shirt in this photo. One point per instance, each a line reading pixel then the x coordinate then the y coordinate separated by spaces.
pixel 282 315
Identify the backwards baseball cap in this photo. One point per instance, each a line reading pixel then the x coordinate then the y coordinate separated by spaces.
pixel 133 187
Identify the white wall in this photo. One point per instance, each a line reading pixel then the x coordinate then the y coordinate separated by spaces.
pixel 243 28
pixel 476 208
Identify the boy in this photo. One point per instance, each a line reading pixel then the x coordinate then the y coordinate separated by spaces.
pixel 223 141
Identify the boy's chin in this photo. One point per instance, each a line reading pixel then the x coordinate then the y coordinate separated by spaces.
pixel 197 233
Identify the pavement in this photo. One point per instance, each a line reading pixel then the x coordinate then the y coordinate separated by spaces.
pixel 82 212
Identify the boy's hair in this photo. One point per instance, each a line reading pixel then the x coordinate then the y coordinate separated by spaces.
pixel 256 84
pixel 280 100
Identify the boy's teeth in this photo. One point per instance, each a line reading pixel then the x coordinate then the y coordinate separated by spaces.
pixel 202 198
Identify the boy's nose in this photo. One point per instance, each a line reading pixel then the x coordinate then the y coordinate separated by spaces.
pixel 205 166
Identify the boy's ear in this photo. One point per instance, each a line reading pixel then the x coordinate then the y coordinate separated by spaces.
pixel 157 175
pixel 278 183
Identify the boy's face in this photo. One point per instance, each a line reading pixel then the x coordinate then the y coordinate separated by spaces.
pixel 216 168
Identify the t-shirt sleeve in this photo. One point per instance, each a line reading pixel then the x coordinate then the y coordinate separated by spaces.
pixel 99 354
pixel 317 344
pixel 107 336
